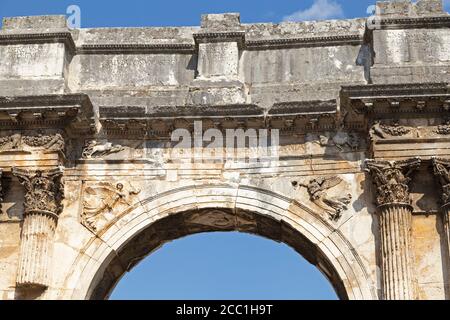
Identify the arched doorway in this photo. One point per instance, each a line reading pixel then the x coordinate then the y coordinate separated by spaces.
pixel 205 208
pixel 224 266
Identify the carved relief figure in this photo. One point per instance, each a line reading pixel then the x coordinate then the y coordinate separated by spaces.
pixel 103 199
pixel 392 178
pixel 54 142
pixel 340 140
pixel 95 149
pixel 317 189
pixel 44 190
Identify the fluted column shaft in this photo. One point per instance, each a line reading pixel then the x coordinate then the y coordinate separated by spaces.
pixel 43 196
pixel 35 250
pixel 391 179
pixel 395 229
pixel 446 220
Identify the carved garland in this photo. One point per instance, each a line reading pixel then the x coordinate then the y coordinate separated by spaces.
pixel 18 141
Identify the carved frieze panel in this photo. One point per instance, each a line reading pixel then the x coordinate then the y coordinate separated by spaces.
pixel 104 149
pixel 52 142
pixel 103 201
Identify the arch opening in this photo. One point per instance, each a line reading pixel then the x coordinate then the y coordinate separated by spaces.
pixel 174 214
pixel 224 266
pixel 209 220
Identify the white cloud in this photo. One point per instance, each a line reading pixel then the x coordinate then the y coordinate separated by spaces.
pixel 320 10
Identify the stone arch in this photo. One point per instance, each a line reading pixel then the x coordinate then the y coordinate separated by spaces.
pixel 202 208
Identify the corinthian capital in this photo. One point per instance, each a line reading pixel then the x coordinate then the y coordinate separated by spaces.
pixel 391 179
pixel 441 170
pixel 44 190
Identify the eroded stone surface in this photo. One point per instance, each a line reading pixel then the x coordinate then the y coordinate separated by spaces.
pixel 104 103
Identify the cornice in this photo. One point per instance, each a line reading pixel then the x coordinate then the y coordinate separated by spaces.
pixel 299 117
pixel 363 104
pixel 33 38
pixel 431 22
pixel 348 39
pixel 182 48
pixel 66 111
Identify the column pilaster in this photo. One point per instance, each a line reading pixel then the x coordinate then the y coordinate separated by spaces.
pixel 44 192
pixel 441 170
pixel 391 179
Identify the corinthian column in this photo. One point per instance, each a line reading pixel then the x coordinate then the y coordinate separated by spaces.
pixel 441 170
pixel 391 179
pixel 43 194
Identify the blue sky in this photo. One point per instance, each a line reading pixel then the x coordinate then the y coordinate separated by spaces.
pixel 187 12
pixel 224 266
pixel 213 265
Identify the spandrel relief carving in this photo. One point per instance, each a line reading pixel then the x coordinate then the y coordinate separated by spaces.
pixel 323 193
pixel 103 201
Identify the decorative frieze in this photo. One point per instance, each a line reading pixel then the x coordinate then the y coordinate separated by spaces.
pixel 44 192
pixel 97 149
pixel 391 179
pixel 18 141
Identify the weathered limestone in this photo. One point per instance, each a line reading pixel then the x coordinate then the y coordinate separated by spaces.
pixel 44 193
pixel 116 107
pixel 441 171
pixel 394 205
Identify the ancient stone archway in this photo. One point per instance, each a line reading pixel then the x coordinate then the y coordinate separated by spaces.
pixel 331 136
pixel 191 210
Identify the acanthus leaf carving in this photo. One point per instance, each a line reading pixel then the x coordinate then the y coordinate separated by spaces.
pixel 44 190
pixel 392 179
pixel 104 199
pixel 334 205
pixel 441 170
